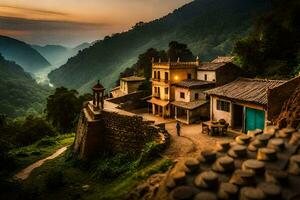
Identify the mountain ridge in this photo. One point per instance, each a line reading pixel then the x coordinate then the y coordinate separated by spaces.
pixel 22 53
pixel 200 24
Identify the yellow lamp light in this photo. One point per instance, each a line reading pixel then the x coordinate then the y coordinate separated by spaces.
pixel 176 78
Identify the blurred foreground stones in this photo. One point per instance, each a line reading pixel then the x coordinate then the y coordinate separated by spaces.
pixel 258 166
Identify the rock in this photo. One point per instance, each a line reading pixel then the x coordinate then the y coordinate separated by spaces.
pixel 208 156
pixel 271 190
pixel 205 196
pixel 228 191
pixel 238 151
pixel 258 167
pixel 207 179
pixel 243 139
pixel 277 144
pixel 243 177
pixel 276 176
pixel 183 193
pixel 266 154
pixel 192 164
pixel 223 164
pixel 223 146
pixel 251 193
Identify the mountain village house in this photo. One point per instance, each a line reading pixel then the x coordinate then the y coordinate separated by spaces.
pixel 127 85
pixel 178 87
pixel 249 104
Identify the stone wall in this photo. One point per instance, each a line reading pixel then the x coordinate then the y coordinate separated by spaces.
pixel 115 133
pixel 127 133
pixel 278 95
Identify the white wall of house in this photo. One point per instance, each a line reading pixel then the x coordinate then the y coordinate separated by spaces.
pixel 211 75
pixel 220 114
pixel 189 94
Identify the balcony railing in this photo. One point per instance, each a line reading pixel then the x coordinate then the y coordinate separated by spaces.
pixel 161 80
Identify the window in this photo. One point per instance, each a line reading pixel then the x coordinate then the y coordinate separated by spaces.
pixel 158 90
pixel 223 105
pixel 189 76
pixel 166 90
pixel 158 75
pixel 196 96
pixel 182 95
pixel 166 76
pixel 205 77
pixel 154 74
pixel 155 89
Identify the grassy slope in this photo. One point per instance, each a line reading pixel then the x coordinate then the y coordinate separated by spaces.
pixel 27 155
pixel 75 178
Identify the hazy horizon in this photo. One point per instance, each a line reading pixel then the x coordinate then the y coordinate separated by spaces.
pixel 71 23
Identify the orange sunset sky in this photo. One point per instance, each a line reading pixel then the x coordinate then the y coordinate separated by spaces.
pixel 71 22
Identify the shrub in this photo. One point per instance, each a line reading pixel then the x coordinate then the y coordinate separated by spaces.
pixel 150 152
pixel 47 141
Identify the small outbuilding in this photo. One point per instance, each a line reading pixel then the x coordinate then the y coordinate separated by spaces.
pixel 249 104
pixel 127 85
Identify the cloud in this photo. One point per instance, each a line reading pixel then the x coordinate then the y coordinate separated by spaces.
pixel 21 24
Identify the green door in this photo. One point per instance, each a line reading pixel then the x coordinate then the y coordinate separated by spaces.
pixel 255 119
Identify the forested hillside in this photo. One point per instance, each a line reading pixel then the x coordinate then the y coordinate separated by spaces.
pixel 19 93
pixel 208 27
pixel 272 49
pixel 58 55
pixel 22 53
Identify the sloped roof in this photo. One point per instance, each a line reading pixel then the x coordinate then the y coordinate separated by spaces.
pixel 248 90
pixel 189 105
pixel 133 78
pixel 209 66
pixel 193 84
pixel 223 59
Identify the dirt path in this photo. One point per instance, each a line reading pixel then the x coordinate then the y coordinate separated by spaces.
pixel 24 173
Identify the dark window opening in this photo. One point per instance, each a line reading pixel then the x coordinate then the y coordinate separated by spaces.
pixel 166 90
pixel 223 105
pixel 189 76
pixel 205 77
pixel 196 96
pixel 158 75
pixel 166 76
pixel 182 95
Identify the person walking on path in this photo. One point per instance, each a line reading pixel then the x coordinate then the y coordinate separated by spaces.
pixel 178 128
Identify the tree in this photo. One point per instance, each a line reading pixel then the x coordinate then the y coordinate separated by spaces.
pixel 143 66
pixel 63 108
pixel 178 50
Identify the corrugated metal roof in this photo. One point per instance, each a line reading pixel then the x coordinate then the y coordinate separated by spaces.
pixel 245 89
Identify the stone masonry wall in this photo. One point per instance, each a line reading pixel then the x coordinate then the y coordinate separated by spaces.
pixel 114 133
pixel 127 133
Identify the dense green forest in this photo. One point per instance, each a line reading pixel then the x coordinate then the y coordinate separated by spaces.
pixel 272 49
pixel 19 92
pixel 23 54
pixel 208 27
